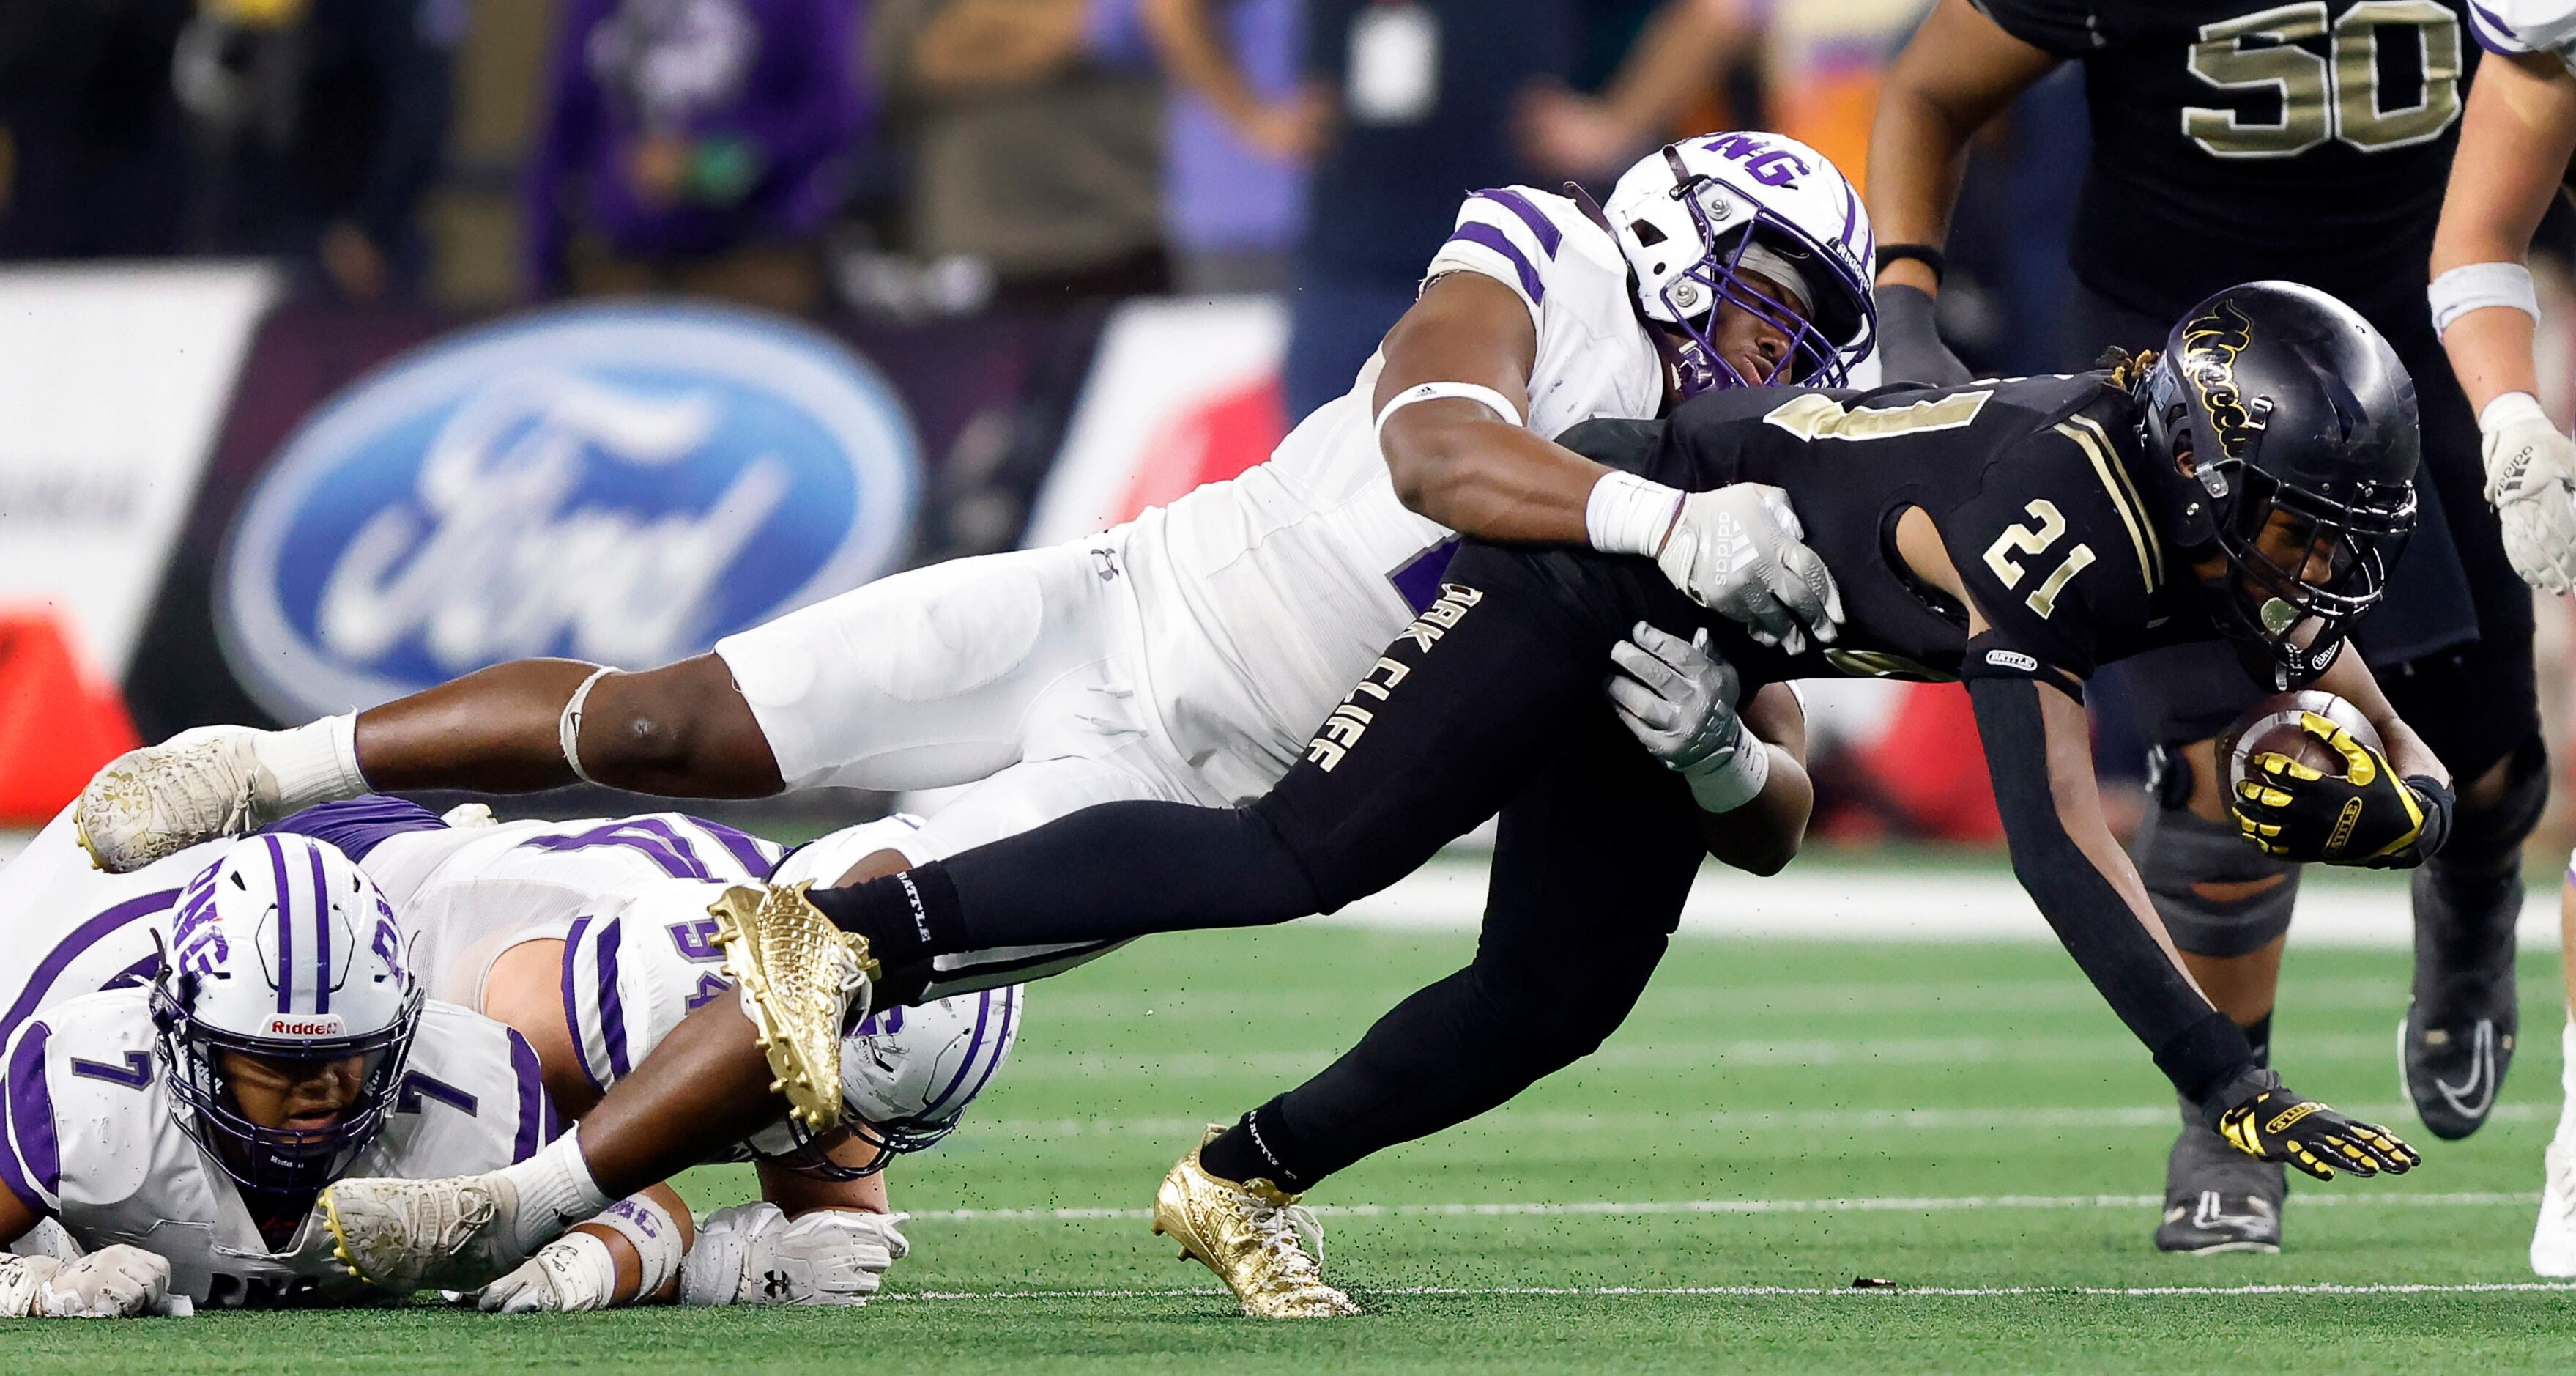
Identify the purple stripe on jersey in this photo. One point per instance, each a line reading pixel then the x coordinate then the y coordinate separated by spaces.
pixel 612 1013
pixel 1001 1045
pixel 746 850
pixel 72 947
pixel 1501 243
pixel 1418 582
pixel 572 1002
pixel 654 840
pixel 356 826
pixel 321 935
pixel 1549 236
pixel 983 1015
pixel 31 1163
pixel 2492 33
pixel 533 1109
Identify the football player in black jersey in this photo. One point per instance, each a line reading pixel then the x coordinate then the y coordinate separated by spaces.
pixel 2252 486
pixel 2237 139
pixel 2515 142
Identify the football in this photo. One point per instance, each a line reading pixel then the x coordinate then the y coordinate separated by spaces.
pixel 2271 727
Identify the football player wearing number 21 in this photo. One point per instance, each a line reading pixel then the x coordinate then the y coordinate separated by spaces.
pixel 2306 141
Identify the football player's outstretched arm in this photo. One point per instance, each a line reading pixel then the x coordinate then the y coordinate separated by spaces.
pixel 2515 139
pixel 2514 146
pixel 1457 460
pixel 118 1281
pixel 1957 73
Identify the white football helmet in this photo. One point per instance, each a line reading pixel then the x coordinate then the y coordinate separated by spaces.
pixel 284 950
pixel 1692 215
pixel 908 1073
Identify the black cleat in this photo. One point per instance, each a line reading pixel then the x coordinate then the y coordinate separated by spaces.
pixel 2218 1199
pixel 2457 1040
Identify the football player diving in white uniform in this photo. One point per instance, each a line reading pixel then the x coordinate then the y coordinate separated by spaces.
pixel 592 939
pixel 1188 655
pixel 2516 138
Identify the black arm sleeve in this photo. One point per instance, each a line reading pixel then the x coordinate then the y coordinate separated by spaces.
pixel 2195 1045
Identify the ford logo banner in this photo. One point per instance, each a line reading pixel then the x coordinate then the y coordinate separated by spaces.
pixel 623 484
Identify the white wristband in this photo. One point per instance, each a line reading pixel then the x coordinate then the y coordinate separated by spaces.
pixel 2476 286
pixel 1729 783
pixel 1628 515
pixel 2508 408
pixel 1492 401
pixel 642 1221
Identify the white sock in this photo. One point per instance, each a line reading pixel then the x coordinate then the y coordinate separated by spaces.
pixel 556 1191
pixel 2567 1079
pixel 313 763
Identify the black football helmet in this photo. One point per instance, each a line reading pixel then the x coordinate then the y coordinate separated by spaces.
pixel 2282 430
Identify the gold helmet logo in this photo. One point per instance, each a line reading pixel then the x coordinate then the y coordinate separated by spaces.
pixel 2210 344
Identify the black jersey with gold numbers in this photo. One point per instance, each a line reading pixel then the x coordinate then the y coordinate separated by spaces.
pixel 2235 140
pixel 2035 486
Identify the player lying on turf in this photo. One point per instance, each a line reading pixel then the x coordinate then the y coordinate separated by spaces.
pixel 2515 142
pixel 2330 175
pixel 592 939
pixel 177 1131
pixel 1186 656
pixel 2016 534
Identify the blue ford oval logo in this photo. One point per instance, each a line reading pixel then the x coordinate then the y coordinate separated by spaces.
pixel 621 484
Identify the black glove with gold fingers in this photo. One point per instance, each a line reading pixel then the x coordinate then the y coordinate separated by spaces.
pixel 2266 1120
pixel 2363 816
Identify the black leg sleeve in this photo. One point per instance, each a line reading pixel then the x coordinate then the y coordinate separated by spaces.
pixel 1439 733
pixel 1593 861
pixel 2194 1045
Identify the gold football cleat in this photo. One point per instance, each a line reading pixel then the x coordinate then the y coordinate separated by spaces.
pixel 801 980
pixel 1253 1236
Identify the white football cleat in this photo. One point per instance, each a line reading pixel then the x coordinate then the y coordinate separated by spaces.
pixel 404 1235
pixel 152 803
pixel 2553 1239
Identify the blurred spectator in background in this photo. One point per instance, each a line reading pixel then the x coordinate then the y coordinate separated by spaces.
pixel 1238 133
pixel 1434 98
pixel 318 124
pixel 1035 131
pixel 92 159
pixel 693 146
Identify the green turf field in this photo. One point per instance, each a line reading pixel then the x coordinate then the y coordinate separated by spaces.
pixel 1777 1119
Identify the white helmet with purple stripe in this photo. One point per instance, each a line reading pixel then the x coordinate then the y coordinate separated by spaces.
pixel 283 950
pixel 1693 217
pixel 908 1073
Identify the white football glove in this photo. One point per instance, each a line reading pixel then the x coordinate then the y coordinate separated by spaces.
pixel 1679 701
pixel 569 1275
pixel 2531 481
pixel 1738 551
pixel 753 1254
pixel 115 1282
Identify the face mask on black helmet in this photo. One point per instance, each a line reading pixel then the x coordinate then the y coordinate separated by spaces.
pixel 2297 424
pixel 285 951
pixel 1695 217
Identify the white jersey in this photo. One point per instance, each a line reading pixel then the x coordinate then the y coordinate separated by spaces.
pixel 89 1133
pixel 2526 26
pixel 1263 598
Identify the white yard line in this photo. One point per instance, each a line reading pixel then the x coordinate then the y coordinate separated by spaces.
pixel 1784 1291
pixel 1824 901
pixel 1660 1208
pixel 1530 1121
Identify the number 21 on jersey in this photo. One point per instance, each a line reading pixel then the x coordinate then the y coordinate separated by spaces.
pixel 2035 536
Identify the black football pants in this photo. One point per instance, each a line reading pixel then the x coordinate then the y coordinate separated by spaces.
pixel 1491 702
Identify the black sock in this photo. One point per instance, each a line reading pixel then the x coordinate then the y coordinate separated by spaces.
pixel 905 917
pixel 1257 1148
pixel 2258 1034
